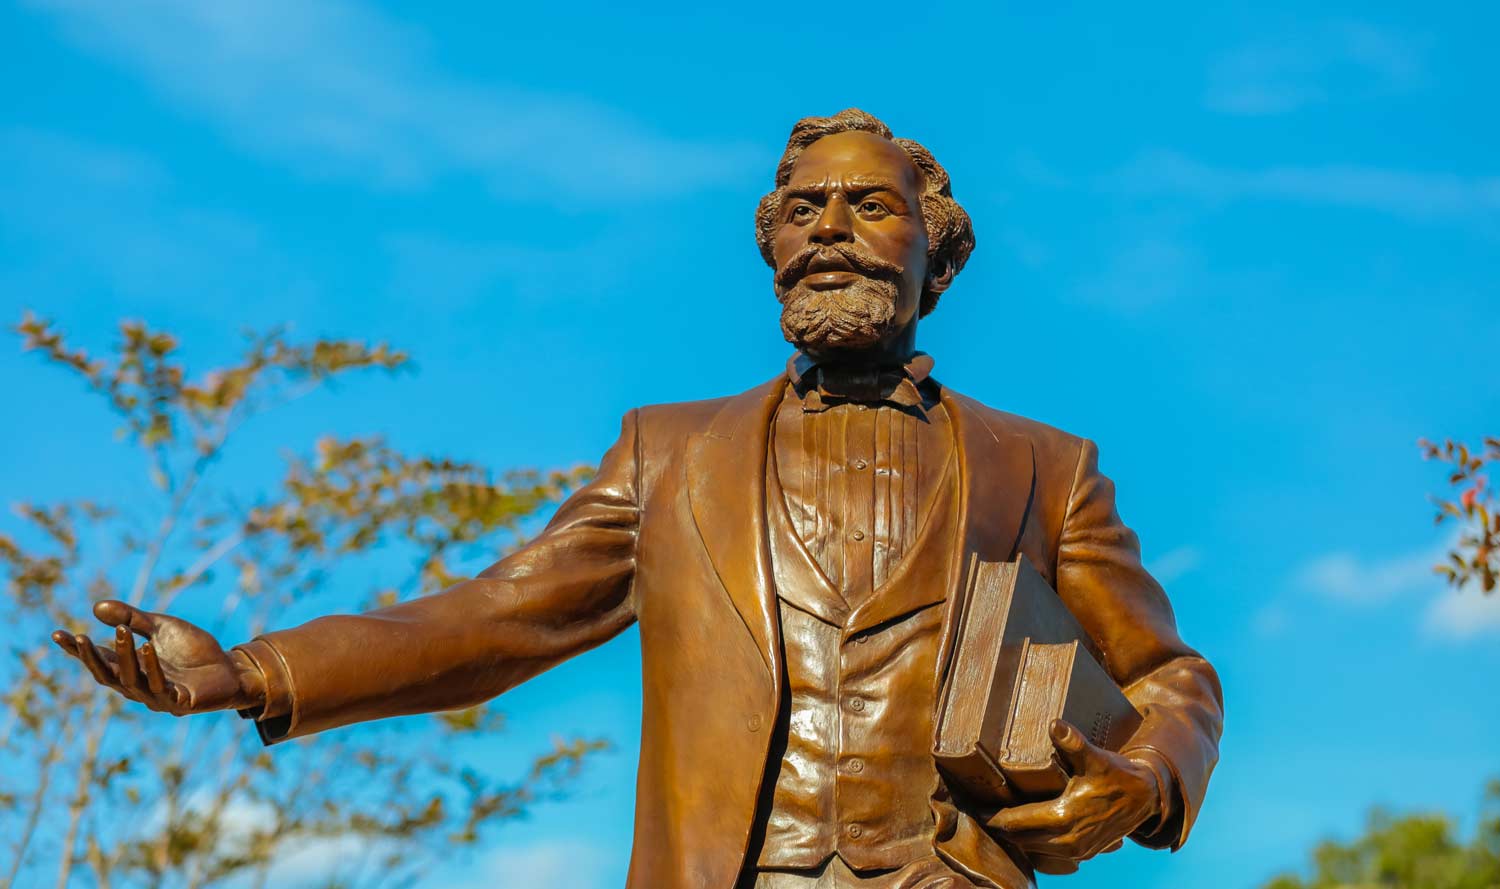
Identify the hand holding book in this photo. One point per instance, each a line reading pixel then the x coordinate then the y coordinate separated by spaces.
pixel 1032 721
pixel 1107 798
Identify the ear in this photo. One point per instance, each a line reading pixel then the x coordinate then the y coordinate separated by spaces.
pixel 939 277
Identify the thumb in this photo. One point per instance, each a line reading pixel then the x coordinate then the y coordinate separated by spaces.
pixel 117 613
pixel 1077 753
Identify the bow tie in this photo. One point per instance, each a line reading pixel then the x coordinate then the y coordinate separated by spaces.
pixel 834 386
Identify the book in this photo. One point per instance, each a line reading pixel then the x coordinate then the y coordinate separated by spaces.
pixel 998 694
pixel 1060 681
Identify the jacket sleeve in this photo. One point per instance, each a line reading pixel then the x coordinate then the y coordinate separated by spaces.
pixel 568 590
pixel 1101 579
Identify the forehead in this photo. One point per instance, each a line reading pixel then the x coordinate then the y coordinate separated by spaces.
pixel 854 155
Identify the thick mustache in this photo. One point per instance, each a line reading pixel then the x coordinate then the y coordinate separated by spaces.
pixel 864 263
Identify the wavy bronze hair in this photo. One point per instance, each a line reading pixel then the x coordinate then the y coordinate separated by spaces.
pixel 950 234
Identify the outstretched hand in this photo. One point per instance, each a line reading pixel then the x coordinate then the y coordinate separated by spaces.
pixel 1108 797
pixel 180 668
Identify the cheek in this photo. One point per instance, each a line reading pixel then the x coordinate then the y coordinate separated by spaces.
pixel 788 241
pixel 899 245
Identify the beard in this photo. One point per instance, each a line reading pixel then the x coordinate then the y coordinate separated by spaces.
pixel 852 317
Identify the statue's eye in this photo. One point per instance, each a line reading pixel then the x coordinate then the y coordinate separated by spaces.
pixel 873 209
pixel 803 213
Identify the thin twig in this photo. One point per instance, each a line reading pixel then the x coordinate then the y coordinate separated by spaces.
pixel 80 801
pixel 38 799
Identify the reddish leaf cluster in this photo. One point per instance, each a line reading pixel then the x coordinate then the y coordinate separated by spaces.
pixel 1476 556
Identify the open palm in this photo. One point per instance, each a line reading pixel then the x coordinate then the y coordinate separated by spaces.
pixel 179 669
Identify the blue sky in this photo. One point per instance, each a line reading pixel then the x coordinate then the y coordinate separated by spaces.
pixel 1249 249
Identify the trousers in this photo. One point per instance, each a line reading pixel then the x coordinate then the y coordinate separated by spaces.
pixel 927 873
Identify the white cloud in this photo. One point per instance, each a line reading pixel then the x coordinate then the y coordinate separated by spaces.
pixel 1345 576
pixel 1408 578
pixel 335 90
pixel 1175 564
pixel 1317 65
pixel 573 863
pixel 1398 192
pixel 1463 614
pixel 304 862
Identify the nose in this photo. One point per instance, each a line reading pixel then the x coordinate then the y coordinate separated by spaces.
pixel 834 224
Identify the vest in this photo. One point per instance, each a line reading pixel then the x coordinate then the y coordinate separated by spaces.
pixel 856 771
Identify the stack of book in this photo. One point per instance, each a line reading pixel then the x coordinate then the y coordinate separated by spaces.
pixel 1021 661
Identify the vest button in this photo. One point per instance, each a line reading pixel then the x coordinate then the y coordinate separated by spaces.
pixel 753 723
pixel 856 831
pixel 856 766
pixel 858 535
pixel 860 464
pixel 857 705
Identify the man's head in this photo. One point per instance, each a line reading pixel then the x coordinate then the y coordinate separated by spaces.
pixel 862 232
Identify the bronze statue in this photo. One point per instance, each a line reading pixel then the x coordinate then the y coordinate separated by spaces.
pixel 794 556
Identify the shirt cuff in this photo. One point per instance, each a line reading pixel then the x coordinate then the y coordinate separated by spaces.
pixel 278 702
pixel 1166 815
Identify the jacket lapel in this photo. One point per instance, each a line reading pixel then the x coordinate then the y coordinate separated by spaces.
pixel 726 487
pixel 997 480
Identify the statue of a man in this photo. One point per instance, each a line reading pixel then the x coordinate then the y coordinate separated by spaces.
pixel 794 556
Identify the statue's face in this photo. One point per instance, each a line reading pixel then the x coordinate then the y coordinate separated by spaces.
pixel 851 249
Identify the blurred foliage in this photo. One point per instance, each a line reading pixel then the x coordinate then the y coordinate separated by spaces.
pixel 1409 852
pixel 1477 554
pixel 98 791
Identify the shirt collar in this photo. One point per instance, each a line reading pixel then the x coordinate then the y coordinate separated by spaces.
pixel 823 386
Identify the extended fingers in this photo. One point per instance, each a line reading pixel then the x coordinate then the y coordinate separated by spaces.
pixel 136 675
pixel 94 660
pixel 64 640
pixel 151 667
pixel 1048 816
pixel 160 693
pixel 1067 846
pixel 1052 834
pixel 130 672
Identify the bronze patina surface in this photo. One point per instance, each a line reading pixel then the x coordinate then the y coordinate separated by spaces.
pixel 794 558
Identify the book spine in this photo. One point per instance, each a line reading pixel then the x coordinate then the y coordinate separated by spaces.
pixel 976 776
pixel 1037 780
pixel 1029 761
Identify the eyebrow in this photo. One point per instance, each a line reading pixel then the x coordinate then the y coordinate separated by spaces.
pixel 855 184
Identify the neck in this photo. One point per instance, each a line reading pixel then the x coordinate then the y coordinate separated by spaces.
pixel 893 350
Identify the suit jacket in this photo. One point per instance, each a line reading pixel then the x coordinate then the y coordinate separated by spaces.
pixel 671 533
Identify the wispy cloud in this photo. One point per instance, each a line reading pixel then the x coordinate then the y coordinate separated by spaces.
pixel 1404 578
pixel 1316 65
pixel 324 860
pixel 305 861
pixel 1398 192
pixel 571 863
pixel 1463 614
pixel 336 90
pixel 1176 564
pixel 1350 578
